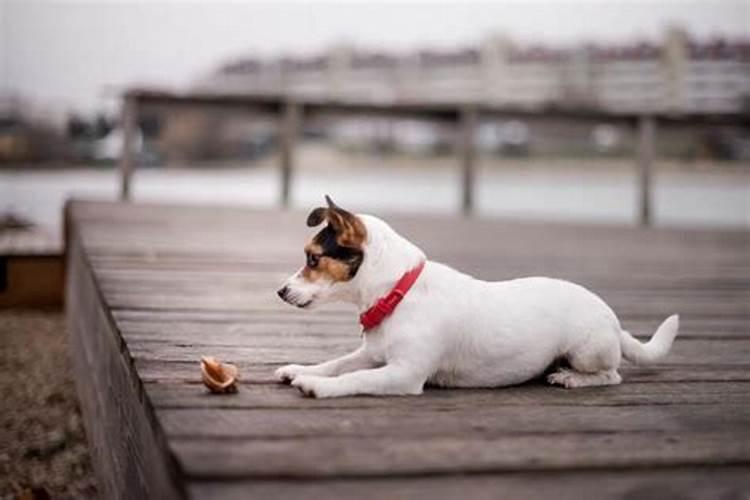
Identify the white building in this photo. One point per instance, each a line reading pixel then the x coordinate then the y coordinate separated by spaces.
pixel 677 75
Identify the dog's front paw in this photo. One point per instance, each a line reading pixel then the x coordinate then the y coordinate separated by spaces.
pixel 286 374
pixel 313 386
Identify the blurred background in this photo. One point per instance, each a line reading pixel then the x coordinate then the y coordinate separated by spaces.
pixel 66 65
pixel 573 73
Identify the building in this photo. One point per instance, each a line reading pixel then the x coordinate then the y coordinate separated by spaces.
pixel 677 75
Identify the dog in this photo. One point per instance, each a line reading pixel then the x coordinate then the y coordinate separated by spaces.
pixel 424 322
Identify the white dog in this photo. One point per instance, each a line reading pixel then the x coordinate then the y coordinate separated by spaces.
pixel 450 329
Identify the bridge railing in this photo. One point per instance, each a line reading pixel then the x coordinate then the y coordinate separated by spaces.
pixel 292 111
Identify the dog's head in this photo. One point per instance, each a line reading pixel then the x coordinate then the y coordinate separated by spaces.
pixel 333 257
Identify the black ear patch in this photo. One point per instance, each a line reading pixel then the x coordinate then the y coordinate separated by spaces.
pixel 316 217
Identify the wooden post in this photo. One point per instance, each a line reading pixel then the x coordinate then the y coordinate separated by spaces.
pixel 646 141
pixel 129 125
pixel 468 121
pixel 289 124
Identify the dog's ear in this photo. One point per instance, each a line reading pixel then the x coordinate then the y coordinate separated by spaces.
pixel 350 230
pixel 331 203
pixel 317 217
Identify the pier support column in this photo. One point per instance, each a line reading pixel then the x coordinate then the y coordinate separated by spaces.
pixel 646 142
pixel 129 126
pixel 467 124
pixel 289 125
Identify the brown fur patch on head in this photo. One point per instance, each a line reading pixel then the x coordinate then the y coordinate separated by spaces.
pixel 350 230
pixel 336 252
pixel 329 269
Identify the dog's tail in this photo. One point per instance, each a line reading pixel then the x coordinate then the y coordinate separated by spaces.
pixel 653 350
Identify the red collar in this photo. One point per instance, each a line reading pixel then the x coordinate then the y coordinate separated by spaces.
pixel 385 305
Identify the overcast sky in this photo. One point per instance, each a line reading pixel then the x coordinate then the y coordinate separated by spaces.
pixel 67 54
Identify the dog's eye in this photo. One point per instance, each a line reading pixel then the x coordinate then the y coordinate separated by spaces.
pixel 312 260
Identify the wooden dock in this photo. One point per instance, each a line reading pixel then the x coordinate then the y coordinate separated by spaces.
pixel 152 288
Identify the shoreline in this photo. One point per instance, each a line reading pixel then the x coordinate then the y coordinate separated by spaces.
pixel 558 190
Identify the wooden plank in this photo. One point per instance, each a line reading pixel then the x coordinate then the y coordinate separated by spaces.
pixel 238 279
pixel 617 276
pixel 490 422
pixel 154 242
pixel 684 483
pixel 399 456
pixel 262 373
pixel 154 327
pixel 537 394
pixel 267 302
pixel 148 273
pixel 685 351
pixel 151 370
pixel 238 332
pixel 161 281
pixel 641 325
pixel 231 316
pixel 490 259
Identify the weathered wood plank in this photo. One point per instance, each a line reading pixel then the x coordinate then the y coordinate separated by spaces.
pixel 255 396
pixel 683 352
pixel 233 280
pixel 684 483
pixel 357 456
pixel 488 421
pixel 241 332
pixel 696 278
pixel 256 295
pixel 262 373
pixel 232 316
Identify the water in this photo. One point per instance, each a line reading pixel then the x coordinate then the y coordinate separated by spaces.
pixel 681 198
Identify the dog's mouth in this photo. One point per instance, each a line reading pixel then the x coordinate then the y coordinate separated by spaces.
pixel 295 297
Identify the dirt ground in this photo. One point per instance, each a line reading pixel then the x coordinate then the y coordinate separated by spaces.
pixel 43 450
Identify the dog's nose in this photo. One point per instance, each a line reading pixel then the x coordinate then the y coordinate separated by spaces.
pixel 282 292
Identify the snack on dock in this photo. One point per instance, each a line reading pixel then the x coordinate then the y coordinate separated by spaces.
pixel 219 377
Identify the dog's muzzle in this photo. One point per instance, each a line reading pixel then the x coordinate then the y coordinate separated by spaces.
pixel 285 293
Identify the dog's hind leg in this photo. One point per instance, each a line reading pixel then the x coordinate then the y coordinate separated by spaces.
pixel 591 365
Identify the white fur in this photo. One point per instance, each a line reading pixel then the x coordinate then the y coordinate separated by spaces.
pixel 453 330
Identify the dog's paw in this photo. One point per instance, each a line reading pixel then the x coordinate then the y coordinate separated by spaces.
pixel 564 377
pixel 313 386
pixel 286 374
pixel 571 378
